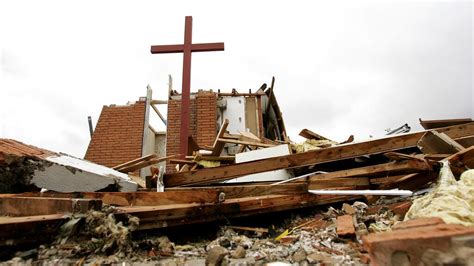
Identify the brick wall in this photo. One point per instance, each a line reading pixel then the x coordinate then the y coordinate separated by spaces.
pixel 202 122
pixel 118 135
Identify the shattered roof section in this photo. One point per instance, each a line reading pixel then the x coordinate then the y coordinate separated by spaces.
pixel 11 148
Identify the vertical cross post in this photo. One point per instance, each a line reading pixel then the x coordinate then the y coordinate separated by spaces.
pixel 187 48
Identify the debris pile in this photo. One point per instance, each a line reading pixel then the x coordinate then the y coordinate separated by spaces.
pixel 426 172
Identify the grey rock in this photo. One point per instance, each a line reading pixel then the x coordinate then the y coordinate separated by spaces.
pixel 242 262
pixel 239 253
pixel 215 255
pixel 299 255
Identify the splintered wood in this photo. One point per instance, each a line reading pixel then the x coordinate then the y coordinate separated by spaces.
pixel 408 161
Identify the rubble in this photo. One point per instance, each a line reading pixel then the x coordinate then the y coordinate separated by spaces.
pixel 367 199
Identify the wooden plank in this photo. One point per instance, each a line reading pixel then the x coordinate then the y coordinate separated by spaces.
pixel 326 183
pixel 430 124
pixel 251 113
pixel 308 134
pixel 413 181
pixel 135 161
pixel 158 102
pixel 249 136
pixel 435 142
pixel 314 157
pixel 200 156
pixel 466 142
pixel 249 190
pixel 243 142
pixel 135 198
pixel 27 206
pixel 372 170
pixel 143 164
pixel 29 228
pixel 178 214
pixel 218 146
pixel 461 161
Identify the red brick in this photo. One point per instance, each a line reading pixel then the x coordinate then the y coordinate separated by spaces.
pixel 345 226
pixel 412 241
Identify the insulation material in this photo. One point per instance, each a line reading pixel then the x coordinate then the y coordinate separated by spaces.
pixel 451 200
pixel 208 164
pixel 312 144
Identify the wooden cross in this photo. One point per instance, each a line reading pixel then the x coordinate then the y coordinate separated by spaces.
pixel 187 48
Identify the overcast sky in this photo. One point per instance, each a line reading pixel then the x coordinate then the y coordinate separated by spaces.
pixel 341 68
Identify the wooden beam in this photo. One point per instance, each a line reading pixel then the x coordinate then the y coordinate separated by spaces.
pixel 158 102
pixel 30 228
pixel 314 157
pixel 326 183
pixel 143 164
pixel 135 161
pixel 308 134
pixel 466 142
pixel 435 142
pixel 178 214
pixel 249 143
pixel 134 198
pixel 249 190
pixel 461 161
pixel 218 146
pixel 373 170
pixel 27 206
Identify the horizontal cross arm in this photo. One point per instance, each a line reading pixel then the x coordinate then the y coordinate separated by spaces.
pixel 166 49
pixel 207 47
pixel 179 48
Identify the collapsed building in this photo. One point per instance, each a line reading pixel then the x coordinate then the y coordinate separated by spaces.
pixel 403 199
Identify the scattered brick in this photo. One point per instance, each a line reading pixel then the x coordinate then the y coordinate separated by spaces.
pixel 389 248
pixel 345 226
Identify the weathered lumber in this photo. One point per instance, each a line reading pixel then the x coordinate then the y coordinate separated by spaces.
pixel 218 146
pixel 461 161
pixel 198 156
pixel 249 190
pixel 146 163
pixel 414 181
pixel 135 198
pixel 314 157
pixel 372 170
pixel 27 206
pixel 435 142
pixel 29 229
pixel 243 142
pixel 308 134
pixel 135 161
pixel 430 124
pixel 178 214
pixel 326 183
pixel 249 136
pixel 466 142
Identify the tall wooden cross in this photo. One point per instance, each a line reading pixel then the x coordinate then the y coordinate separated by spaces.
pixel 187 48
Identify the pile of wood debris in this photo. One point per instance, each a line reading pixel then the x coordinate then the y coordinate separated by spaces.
pixel 211 187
